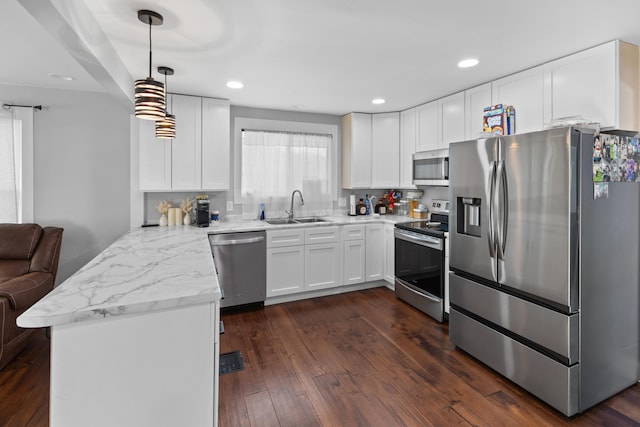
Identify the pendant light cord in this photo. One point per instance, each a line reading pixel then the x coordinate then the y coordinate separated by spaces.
pixel 150 48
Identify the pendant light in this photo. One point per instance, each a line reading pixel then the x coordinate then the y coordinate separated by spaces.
pixel 166 126
pixel 149 94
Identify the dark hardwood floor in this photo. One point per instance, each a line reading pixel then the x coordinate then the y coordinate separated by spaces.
pixel 357 359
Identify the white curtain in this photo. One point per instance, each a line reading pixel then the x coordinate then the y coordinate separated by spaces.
pixel 276 163
pixel 10 167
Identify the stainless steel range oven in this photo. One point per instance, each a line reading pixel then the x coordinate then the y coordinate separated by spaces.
pixel 420 264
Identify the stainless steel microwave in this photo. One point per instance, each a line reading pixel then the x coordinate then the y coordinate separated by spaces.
pixel 431 167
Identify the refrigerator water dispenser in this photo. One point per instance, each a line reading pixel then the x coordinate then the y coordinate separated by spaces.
pixel 469 221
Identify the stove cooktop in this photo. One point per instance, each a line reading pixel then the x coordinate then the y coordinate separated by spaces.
pixel 436 229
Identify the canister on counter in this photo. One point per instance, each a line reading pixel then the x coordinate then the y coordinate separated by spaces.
pixel 420 213
pixel 412 204
pixel 401 207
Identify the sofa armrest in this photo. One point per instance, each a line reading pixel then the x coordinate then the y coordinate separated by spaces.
pixel 23 291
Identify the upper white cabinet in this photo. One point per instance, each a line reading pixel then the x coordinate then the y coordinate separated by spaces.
pixel 428 127
pixel 356 150
pixel 440 122
pixel 599 84
pixel 155 158
pixel 198 157
pixel 408 134
pixel 186 148
pixel 385 156
pixel 525 91
pixel 370 150
pixel 216 123
pixel 475 100
pixel 452 119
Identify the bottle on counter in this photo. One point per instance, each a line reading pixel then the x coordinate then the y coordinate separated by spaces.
pixel 367 204
pixel 361 209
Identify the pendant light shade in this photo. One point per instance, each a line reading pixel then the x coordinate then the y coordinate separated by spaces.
pixel 150 103
pixel 166 126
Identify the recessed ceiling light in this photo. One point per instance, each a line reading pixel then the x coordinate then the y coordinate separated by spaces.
pixel 466 63
pixel 378 101
pixel 64 77
pixel 298 105
pixel 235 84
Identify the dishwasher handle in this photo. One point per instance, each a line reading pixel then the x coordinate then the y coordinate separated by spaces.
pixel 236 241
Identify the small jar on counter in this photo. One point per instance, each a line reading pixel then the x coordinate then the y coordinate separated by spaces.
pixel 401 207
pixel 419 213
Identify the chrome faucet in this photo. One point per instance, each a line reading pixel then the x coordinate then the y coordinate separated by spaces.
pixel 290 212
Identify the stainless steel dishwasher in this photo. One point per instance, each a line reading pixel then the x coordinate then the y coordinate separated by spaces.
pixel 241 263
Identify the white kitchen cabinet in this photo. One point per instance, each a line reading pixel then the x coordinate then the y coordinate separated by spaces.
pixel 322 234
pixel 374 253
pixel 322 266
pixel 475 100
pixel 389 253
pixel 155 158
pixel 440 122
pixel 408 134
pixel 428 127
pixel 353 236
pixel 385 146
pixel 215 144
pixel 285 270
pixel 452 119
pixel 598 84
pixel 186 147
pixel 356 150
pixel 525 91
pixel 198 157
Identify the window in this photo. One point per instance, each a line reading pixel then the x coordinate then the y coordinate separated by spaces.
pixel 275 160
pixel 16 165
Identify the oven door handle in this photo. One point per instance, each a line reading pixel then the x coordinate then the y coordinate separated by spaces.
pixel 431 242
pixel 420 294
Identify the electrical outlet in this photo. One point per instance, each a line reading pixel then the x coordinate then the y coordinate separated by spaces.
pixel 229 205
pixel 342 202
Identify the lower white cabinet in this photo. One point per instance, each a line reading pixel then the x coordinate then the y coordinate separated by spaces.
pixel 285 270
pixel 374 254
pixel 389 253
pixel 322 266
pixel 353 254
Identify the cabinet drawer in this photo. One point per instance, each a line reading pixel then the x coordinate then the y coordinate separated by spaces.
pixel 321 234
pixel 285 237
pixel 353 232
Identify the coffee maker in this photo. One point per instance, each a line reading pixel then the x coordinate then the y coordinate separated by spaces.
pixel 202 213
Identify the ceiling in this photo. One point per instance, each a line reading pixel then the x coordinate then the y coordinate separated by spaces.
pixel 329 56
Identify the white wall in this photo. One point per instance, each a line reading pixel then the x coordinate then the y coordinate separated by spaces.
pixel 81 168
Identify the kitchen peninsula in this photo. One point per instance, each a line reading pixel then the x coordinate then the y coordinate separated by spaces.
pixel 135 334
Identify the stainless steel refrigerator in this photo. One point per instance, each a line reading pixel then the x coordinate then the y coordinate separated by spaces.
pixel 544 278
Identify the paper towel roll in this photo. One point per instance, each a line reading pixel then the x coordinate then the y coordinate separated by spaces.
pixel 352 204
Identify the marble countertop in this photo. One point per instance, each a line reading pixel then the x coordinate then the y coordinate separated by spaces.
pixel 148 269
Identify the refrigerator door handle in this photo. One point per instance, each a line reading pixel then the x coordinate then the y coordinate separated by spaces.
pixel 491 229
pixel 505 211
pixel 501 208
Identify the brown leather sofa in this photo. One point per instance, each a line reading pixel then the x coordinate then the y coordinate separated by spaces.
pixel 29 257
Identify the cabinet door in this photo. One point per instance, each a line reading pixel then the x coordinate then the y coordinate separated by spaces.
pixel 155 158
pixel 374 256
pixel 583 84
pixel 354 262
pixel 285 270
pixel 452 123
pixel 322 234
pixel 429 135
pixel 215 144
pixel 525 92
pixel 389 253
pixel 476 99
pixel 322 266
pixel 186 154
pixel 408 135
pixel 356 150
pixel 385 146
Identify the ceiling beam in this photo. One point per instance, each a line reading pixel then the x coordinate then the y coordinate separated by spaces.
pixel 72 24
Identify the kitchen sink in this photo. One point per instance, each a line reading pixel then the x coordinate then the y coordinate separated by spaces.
pixel 282 221
pixel 308 220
